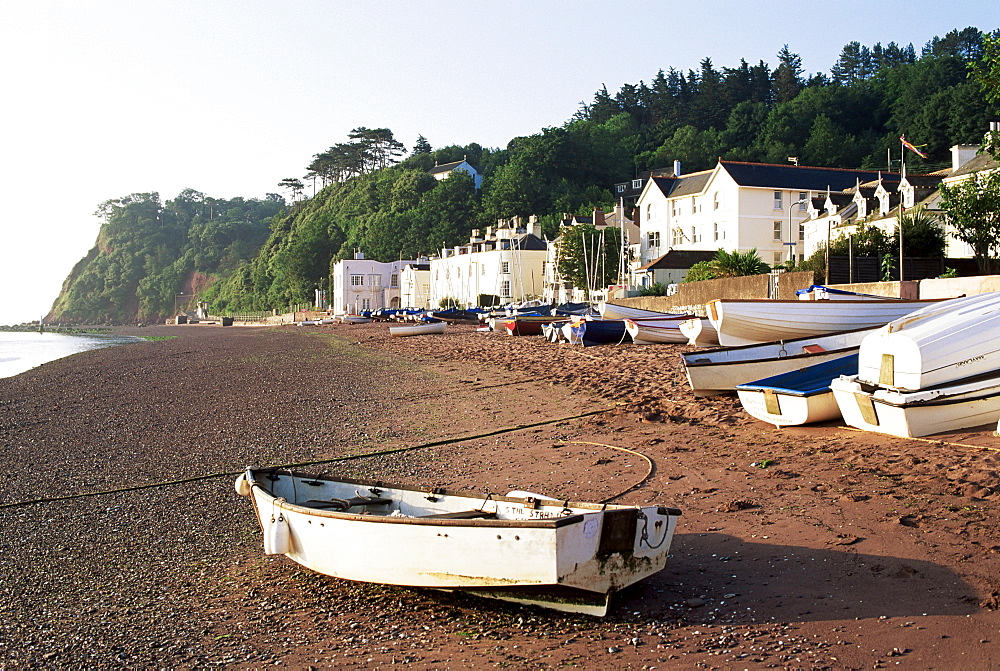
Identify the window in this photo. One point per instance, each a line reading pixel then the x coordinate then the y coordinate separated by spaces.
pixel 375 280
pixel 776 259
pixel 620 188
pixel 803 201
pixel 653 239
pixel 505 267
pixel 636 183
pixel 649 211
pixel 802 232
pixel 716 202
pixel 676 236
pixel 673 208
pixel 366 304
pixel 778 201
pixel 505 289
pixel 458 273
pixel 482 270
pixel 694 209
pixel 777 231
pixel 715 231
pixel 394 280
pixel 357 280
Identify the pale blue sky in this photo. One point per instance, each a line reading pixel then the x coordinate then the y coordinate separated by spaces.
pixel 103 98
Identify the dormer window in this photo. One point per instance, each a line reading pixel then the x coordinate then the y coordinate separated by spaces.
pixel 620 188
pixel 636 183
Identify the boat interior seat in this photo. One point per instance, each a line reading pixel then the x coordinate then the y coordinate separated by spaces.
pixel 347 504
pixel 460 515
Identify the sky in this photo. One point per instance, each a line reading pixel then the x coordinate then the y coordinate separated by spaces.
pixel 104 98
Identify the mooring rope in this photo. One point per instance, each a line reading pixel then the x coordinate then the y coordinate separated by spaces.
pixel 316 462
pixel 650 467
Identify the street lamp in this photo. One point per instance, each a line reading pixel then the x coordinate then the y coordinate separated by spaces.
pixel 791 238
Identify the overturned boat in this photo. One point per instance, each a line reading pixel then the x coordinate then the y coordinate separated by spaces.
pixel 526 548
pixel 797 397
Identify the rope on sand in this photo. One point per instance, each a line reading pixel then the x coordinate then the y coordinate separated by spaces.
pixel 936 442
pixel 650 466
pixel 316 462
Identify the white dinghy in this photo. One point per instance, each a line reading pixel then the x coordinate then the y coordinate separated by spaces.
pixel 647 331
pixel 959 405
pixel 700 332
pixel 612 311
pixel 949 341
pixel 417 329
pixel 716 371
pixel 749 322
pixel 799 397
pixel 526 548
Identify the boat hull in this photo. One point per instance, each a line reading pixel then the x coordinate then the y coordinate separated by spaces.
pixel 656 330
pixel 417 329
pixel 952 340
pixel 612 311
pixel 749 322
pixel 520 543
pixel 717 371
pixel 921 413
pixel 700 332
pixel 799 397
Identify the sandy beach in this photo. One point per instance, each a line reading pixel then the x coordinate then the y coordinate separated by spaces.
pixel 810 547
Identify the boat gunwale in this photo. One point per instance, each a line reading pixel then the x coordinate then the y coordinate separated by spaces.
pixel 790 357
pixel 552 522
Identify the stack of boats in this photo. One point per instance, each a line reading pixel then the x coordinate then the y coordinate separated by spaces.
pixel 935 370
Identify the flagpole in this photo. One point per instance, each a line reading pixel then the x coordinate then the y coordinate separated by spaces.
pixel 899 218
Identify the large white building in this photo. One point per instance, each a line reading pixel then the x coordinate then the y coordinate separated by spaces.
pixel 837 214
pixel 415 285
pixel 735 206
pixel 364 284
pixel 506 261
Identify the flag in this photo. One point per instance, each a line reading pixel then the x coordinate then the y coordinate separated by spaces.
pixel 912 147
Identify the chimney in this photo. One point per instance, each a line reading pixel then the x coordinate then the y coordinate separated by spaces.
pixel 962 153
pixel 677 168
pixel 598 217
pixel 359 255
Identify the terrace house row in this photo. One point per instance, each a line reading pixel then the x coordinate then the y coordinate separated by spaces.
pixel 734 206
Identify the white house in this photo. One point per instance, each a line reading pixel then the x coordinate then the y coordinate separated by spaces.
pixel 878 203
pixel 735 206
pixel 364 284
pixel 445 170
pixel 507 261
pixel 415 285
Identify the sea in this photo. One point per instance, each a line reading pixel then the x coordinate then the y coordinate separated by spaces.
pixel 21 351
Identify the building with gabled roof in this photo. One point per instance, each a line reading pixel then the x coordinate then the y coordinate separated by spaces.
pixel 735 206
pixel 445 170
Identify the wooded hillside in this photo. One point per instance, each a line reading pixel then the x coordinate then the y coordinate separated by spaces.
pixel 268 257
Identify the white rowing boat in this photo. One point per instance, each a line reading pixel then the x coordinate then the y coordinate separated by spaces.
pixel 799 397
pixel 700 332
pixel 716 371
pixel 417 329
pixel 612 311
pixel 748 322
pixel 960 405
pixel 646 331
pixel 949 341
pixel 525 548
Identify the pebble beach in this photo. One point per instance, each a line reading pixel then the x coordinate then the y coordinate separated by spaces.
pixel 124 544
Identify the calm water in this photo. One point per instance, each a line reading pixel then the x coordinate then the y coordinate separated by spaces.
pixel 22 351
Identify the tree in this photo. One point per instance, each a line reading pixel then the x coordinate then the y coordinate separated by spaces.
pixel 972 209
pixel 787 76
pixel 727 264
pixel 294 185
pixel 922 233
pixel 986 72
pixel 422 146
pixel 739 264
pixel 589 258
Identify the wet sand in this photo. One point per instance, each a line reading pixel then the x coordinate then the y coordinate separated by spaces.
pixel 849 550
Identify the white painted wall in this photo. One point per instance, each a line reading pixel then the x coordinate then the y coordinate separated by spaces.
pixel 379 285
